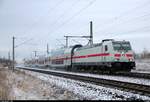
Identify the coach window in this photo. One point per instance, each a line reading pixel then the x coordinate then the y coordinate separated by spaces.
pixel 106 48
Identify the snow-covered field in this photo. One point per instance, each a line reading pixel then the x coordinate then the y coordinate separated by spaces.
pixel 110 77
pixel 37 86
pixel 22 86
pixel 142 66
pixel 86 90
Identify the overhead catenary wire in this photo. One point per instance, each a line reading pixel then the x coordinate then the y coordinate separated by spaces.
pixel 63 23
pixel 76 14
pixel 23 43
pixel 65 12
pixel 50 10
pixel 114 19
pixel 73 16
pixel 139 6
pixel 144 18
pixel 122 15
pixel 134 20
pixel 137 30
pixel 60 42
pixel 76 41
pixel 142 29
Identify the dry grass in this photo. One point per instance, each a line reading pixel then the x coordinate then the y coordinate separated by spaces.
pixel 4 87
pixel 20 85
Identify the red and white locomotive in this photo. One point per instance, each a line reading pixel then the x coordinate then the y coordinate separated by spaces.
pixel 109 55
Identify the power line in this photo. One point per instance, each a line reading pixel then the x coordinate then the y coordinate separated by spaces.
pixel 127 21
pixel 135 30
pixel 23 43
pixel 65 12
pixel 76 41
pixel 73 16
pixel 60 42
pixel 143 29
pixel 125 14
pixel 50 10
pixel 76 14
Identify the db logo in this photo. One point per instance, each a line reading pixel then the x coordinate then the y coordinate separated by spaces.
pixel 123 54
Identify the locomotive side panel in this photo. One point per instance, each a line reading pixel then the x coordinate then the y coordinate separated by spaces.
pixel 96 54
pixel 88 55
pixel 107 51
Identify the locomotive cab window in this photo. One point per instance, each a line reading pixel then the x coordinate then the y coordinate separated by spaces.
pixel 106 48
pixel 122 46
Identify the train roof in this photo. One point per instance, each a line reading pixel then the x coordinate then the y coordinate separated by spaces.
pixel 68 49
pixel 99 44
pixel 88 46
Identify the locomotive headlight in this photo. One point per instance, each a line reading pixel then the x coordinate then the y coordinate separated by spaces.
pixel 130 59
pixel 116 59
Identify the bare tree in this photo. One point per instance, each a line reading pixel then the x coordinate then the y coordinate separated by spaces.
pixel 145 54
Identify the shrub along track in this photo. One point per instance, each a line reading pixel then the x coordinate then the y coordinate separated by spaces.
pixel 125 86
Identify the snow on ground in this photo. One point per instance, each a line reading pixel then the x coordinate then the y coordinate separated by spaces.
pixel 23 86
pixel 86 90
pixel 111 77
pixel 89 91
pixel 142 66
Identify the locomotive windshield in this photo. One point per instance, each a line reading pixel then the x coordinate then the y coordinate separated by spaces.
pixel 121 46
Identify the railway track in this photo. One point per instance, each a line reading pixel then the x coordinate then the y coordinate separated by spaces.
pixel 134 74
pixel 125 86
pixel 127 74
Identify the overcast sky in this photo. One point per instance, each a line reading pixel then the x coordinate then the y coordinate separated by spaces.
pixel 43 21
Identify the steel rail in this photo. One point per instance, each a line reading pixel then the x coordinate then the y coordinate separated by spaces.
pixel 126 74
pixel 125 86
pixel 135 74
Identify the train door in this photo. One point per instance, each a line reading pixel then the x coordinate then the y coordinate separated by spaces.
pixel 104 51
